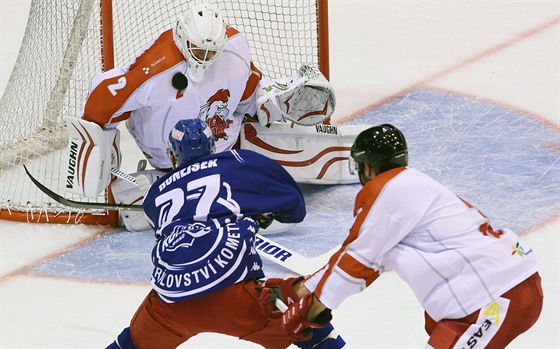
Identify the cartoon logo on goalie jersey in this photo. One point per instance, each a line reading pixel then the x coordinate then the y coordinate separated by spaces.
pixel 216 113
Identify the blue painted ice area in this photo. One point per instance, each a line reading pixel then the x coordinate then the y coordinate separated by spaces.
pixel 503 161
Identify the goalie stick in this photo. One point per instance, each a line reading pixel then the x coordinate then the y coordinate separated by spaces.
pixel 80 204
pixel 267 248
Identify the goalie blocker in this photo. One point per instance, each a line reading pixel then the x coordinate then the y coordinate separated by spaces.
pixel 92 153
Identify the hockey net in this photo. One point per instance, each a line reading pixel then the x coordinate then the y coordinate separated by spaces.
pixel 66 42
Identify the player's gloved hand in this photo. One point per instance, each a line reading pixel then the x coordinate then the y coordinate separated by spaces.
pixel 294 320
pixel 274 288
pixel 264 220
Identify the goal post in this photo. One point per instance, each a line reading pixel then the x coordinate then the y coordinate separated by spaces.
pixel 66 42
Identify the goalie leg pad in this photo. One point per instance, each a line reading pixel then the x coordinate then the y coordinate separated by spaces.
pixel 126 192
pixel 92 153
pixel 317 154
pixel 306 99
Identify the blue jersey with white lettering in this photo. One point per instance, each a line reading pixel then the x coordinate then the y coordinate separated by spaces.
pixel 201 215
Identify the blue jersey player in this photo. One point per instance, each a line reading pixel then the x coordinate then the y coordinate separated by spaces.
pixel 207 273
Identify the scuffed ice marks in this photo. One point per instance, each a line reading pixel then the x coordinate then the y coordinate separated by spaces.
pixel 506 162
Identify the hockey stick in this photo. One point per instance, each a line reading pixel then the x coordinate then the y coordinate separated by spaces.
pixel 123 175
pixel 80 204
pixel 267 248
pixel 289 259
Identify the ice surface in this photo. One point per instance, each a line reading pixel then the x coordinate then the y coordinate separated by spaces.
pixel 475 88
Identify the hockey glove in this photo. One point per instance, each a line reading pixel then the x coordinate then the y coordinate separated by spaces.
pixel 277 288
pixel 305 99
pixel 294 323
pixel 264 220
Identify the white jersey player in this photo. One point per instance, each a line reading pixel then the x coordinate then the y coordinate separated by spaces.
pixel 199 69
pixel 479 286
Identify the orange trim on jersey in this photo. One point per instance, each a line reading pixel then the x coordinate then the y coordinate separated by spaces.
pixel 356 269
pixel 252 82
pixel 231 31
pixel 364 202
pixel 485 228
pixel 111 94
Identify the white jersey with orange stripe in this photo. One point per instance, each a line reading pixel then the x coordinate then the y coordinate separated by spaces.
pixel 443 247
pixel 143 94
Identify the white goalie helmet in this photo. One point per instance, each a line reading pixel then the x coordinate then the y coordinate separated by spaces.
pixel 202 34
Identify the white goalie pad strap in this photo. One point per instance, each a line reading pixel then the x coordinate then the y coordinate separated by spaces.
pixel 317 154
pixel 126 192
pixel 92 152
pixel 306 99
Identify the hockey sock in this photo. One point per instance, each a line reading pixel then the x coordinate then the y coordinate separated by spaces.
pixel 323 338
pixel 123 341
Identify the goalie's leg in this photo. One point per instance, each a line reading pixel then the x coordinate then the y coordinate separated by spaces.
pixel 126 192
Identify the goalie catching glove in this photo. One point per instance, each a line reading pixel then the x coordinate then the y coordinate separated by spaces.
pixel 306 99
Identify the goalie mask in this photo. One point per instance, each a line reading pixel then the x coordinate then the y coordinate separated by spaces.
pixel 381 147
pixel 202 35
pixel 189 140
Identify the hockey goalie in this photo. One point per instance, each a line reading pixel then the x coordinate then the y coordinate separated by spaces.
pixel 202 68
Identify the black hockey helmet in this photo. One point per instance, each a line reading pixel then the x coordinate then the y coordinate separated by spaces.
pixel 382 147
